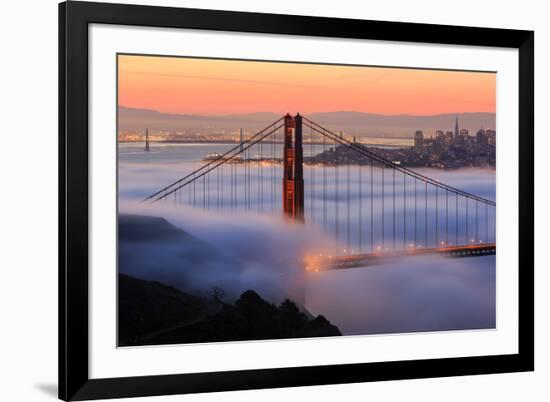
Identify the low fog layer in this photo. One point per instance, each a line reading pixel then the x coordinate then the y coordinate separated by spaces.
pixel 235 253
pixel 417 294
pixel 260 253
pixel 255 250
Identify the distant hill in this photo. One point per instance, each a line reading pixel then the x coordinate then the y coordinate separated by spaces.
pixel 377 125
pixel 352 123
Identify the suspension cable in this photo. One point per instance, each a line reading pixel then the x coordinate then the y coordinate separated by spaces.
pixel 323 131
pixel 220 161
pixel 219 158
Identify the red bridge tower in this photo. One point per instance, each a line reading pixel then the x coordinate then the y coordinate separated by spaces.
pixel 293 173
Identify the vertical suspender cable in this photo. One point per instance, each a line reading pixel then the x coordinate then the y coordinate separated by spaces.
pixel 446 218
pixel 436 217
pixel 336 191
pixel 246 177
pixel 393 211
pixel 259 163
pixel 477 225
pixel 486 225
pixel 312 176
pixel 415 210
pixel 348 233
pixel 404 211
pixel 467 223
pixel 425 214
pixel 360 167
pixel 383 209
pixel 456 219
pixel 371 208
pixel 261 177
pixel 273 172
pixel 221 187
pixel 324 183
pixel 233 195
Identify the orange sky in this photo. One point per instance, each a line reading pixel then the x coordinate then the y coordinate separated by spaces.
pixel 202 86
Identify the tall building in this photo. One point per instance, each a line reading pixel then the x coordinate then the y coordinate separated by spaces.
pixel 481 137
pixel 491 136
pixel 457 131
pixel 462 138
pixel 418 140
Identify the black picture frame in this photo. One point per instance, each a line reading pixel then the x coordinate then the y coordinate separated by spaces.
pixel 74 18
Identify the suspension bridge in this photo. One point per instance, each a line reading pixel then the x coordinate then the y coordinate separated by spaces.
pixel 375 209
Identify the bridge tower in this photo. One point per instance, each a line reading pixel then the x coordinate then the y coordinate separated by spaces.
pixel 147 149
pixel 298 170
pixel 293 176
pixel 241 139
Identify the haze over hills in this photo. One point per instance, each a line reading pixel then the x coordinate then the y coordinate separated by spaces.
pixel 352 123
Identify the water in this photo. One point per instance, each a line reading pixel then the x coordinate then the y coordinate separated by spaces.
pixel 423 294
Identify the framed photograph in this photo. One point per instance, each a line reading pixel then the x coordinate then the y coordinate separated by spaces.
pixel 258 200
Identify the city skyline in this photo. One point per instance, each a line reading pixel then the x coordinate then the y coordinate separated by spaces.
pixel 219 87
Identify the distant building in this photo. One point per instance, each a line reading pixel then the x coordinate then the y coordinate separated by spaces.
pixel 481 137
pixel 439 143
pixel 491 136
pixel 456 127
pixel 418 140
pixel 462 138
pixel 449 137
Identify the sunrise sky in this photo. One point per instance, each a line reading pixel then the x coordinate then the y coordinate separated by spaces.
pixel 217 87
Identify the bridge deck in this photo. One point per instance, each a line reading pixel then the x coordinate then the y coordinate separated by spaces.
pixel 366 260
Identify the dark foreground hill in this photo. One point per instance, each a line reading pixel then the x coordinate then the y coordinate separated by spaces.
pixel 151 313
